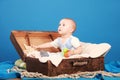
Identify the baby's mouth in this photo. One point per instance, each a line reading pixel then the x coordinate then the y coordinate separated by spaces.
pixel 59 29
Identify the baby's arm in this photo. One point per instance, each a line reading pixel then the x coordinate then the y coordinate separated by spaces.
pixel 45 45
pixel 78 50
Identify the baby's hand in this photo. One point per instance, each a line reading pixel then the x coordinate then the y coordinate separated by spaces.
pixel 36 47
pixel 33 46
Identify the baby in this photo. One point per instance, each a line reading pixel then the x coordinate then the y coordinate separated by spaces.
pixel 66 41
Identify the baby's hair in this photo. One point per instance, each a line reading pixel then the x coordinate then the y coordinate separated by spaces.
pixel 73 23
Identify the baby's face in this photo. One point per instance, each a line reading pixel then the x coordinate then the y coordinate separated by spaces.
pixel 65 27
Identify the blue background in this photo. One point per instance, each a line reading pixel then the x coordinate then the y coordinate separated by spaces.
pixel 97 21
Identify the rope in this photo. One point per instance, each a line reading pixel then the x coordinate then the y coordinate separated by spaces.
pixel 25 73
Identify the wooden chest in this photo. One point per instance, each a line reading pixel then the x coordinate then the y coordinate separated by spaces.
pixel 67 66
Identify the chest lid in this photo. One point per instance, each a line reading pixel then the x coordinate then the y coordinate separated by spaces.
pixel 19 38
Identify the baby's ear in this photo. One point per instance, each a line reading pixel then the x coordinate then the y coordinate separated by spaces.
pixel 72 30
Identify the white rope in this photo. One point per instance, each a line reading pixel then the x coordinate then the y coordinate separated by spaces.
pixel 24 73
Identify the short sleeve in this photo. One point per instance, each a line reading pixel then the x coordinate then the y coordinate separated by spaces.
pixel 75 42
pixel 55 43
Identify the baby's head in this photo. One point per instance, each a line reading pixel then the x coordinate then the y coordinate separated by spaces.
pixel 66 25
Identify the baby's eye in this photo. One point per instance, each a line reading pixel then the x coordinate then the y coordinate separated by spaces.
pixel 63 24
